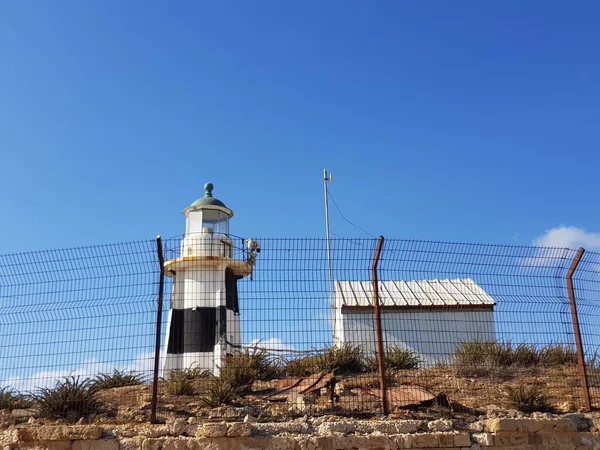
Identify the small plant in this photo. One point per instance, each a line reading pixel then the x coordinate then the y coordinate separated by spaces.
pixel 245 367
pixel 482 358
pixel 396 358
pixel 10 399
pixel 219 392
pixel 238 374
pixel 346 359
pixel 241 369
pixel 117 379
pixel 524 355
pixel 529 397
pixel 71 398
pixel 557 355
pixel 182 381
pixel 302 367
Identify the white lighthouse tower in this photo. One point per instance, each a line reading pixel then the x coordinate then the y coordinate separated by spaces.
pixel 204 319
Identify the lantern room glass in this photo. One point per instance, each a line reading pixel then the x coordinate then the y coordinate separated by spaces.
pixel 213 219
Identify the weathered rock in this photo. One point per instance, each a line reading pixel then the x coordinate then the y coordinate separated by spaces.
pixel 152 444
pixel 61 433
pixel 426 440
pixel 249 419
pixel 511 438
pixel 131 443
pixel 340 388
pixel 143 399
pixel 54 445
pixel 513 414
pixel 175 444
pixel 274 429
pixel 24 413
pixel 477 427
pixel 177 426
pixel 9 437
pixel 440 425
pixel 581 422
pixel 6 421
pixel 238 429
pixel 344 427
pixel 212 430
pixel 529 425
pixel 104 444
pixel 399 426
pixel 229 412
pixel 155 431
pixel 462 440
pixel 301 403
pixel 485 439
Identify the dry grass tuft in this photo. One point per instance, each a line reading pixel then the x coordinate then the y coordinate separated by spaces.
pixel 529 397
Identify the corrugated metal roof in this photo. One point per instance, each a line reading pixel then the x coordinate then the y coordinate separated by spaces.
pixel 420 293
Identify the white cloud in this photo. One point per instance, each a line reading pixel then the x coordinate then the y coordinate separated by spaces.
pixel 558 244
pixel 272 343
pixel 569 237
pixel 48 378
pixel 143 363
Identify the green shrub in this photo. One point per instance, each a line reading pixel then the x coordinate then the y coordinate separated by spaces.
pixel 219 392
pixel 70 399
pixel 529 397
pixel 302 367
pixel 524 355
pixel 243 368
pixel 489 358
pixel 482 358
pixel 401 359
pixel 557 355
pixel 117 379
pixel 396 358
pixel 10 399
pixel 182 381
pixel 346 359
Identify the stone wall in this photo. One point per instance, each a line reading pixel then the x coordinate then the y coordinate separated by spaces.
pixel 574 432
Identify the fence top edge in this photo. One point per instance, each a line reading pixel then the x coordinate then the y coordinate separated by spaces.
pixel 388 242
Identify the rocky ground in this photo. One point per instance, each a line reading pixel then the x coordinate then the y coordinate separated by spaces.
pixel 450 397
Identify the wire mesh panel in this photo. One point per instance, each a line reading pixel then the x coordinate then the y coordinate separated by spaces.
pixel 277 328
pixel 464 326
pixel 74 322
pixel 490 325
pixel 587 292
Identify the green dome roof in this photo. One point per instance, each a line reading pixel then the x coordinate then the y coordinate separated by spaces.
pixel 208 198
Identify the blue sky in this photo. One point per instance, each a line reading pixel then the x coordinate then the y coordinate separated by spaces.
pixel 467 121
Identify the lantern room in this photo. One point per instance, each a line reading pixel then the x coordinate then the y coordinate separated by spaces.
pixel 207 214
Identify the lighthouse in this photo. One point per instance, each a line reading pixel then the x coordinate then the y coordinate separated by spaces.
pixel 204 318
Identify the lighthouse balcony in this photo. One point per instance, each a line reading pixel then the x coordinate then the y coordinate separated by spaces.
pixel 209 249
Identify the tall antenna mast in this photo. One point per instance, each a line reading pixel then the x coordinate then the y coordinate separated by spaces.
pixel 328 178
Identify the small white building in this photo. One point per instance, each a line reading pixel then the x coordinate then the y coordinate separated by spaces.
pixel 204 318
pixel 429 317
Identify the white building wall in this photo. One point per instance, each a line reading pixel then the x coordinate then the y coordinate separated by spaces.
pixel 434 335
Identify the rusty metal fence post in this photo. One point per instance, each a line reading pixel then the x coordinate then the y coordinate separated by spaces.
pixel 379 333
pixel 161 288
pixel 580 353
